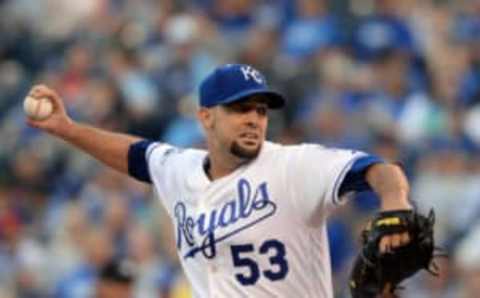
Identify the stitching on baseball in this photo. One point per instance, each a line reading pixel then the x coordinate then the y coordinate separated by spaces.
pixel 37 108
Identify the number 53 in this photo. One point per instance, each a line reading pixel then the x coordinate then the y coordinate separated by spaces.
pixel 274 248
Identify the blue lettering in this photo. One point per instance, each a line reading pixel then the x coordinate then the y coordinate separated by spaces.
pixel 206 224
pixel 244 193
pixel 228 214
pixel 189 230
pixel 208 246
pixel 202 229
pixel 182 229
pixel 261 197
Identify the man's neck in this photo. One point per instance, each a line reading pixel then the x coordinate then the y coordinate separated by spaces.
pixel 217 167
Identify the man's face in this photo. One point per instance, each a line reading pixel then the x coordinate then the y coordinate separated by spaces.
pixel 239 127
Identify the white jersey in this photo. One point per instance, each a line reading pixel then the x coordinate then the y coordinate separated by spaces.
pixel 260 231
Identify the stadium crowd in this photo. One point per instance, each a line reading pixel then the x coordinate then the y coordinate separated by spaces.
pixel 397 78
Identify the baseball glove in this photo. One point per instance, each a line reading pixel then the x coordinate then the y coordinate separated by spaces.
pixel 374 271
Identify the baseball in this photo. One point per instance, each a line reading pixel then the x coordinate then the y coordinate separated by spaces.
pixel 37 108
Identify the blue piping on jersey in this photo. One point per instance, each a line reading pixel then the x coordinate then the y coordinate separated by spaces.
pixel 354 180
pixel 339 181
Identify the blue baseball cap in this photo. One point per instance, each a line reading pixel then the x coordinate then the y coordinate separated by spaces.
pixel 233 82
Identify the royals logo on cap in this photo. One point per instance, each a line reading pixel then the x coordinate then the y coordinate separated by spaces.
pixel 235 82
pixel 251 73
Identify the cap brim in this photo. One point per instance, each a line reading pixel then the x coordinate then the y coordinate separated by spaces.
pixel 275 100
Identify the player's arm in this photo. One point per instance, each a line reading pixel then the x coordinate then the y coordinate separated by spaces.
pixel 391 185
pixel 387 180
pixel 108 147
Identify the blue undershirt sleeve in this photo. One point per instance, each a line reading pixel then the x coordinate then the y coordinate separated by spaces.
pixel 355 178
pixel 137 161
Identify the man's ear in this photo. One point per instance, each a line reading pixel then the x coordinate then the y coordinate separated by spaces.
pixel 205 116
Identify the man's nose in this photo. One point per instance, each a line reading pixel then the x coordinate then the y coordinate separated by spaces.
pixel 253 117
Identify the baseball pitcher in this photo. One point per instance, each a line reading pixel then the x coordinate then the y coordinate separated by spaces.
pixel 249 215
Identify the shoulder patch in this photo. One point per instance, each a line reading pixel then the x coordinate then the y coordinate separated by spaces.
pixel 168 153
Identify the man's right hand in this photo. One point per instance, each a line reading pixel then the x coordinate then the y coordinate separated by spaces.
pixel 59 119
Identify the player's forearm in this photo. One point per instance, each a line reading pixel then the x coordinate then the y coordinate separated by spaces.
pixel 391 185
pixel 107 147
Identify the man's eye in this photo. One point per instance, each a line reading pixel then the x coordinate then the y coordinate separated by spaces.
pixel 262 111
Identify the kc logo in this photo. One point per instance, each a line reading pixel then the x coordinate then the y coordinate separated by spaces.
pixel 251 73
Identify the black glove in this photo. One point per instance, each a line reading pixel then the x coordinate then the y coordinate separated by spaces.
pixel 373 271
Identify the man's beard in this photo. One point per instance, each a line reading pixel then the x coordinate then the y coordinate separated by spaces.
pixel 244 153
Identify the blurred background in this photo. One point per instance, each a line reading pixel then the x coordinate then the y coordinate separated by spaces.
pixel 397 78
